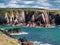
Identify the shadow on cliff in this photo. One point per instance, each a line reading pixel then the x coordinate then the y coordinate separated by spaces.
pixel 57 19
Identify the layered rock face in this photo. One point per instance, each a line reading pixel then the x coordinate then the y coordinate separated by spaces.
pixel 31 18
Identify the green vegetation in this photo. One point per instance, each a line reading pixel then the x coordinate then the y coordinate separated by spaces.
pixel 22 8
pixel 28 9
pixel 7 40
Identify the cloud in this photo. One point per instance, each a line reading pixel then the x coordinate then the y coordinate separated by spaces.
pixel 2 5
pixel 14 1
pixel 56 1
pixel 41 7
pixel 43 3
pixel 28 2
pixel 36 6
pixel 46 4
pixel 12 5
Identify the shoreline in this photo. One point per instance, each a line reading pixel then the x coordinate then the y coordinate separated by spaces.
pixel 19 41
pixel 24 26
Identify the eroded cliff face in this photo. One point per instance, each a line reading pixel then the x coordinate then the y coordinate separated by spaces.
pixel 45 18
pixel 30 17
pixel 54 18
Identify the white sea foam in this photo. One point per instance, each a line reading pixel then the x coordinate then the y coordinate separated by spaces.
pixel 45 44
pixel 39 43
pixel 19 33
pixel 58 25
pixel 51 27
pixel 39 27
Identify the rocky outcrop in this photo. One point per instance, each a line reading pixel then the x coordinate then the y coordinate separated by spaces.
pixel 15 30
pixel 7 39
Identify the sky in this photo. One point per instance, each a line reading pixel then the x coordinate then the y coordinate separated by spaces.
pixel 45 4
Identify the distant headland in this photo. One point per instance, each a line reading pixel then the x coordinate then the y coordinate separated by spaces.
pixel 29 17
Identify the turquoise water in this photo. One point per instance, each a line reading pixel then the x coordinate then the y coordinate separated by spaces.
pixel 44 35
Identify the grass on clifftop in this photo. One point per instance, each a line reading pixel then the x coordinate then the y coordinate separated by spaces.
pixel 6 40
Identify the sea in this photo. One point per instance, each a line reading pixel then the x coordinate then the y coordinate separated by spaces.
pixel 40 35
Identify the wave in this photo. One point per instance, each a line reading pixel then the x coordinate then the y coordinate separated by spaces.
pixel 45 44
pixel 52 27
pixel 19 33
pixel 39 43
pixel 39 27
pixel 58 25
